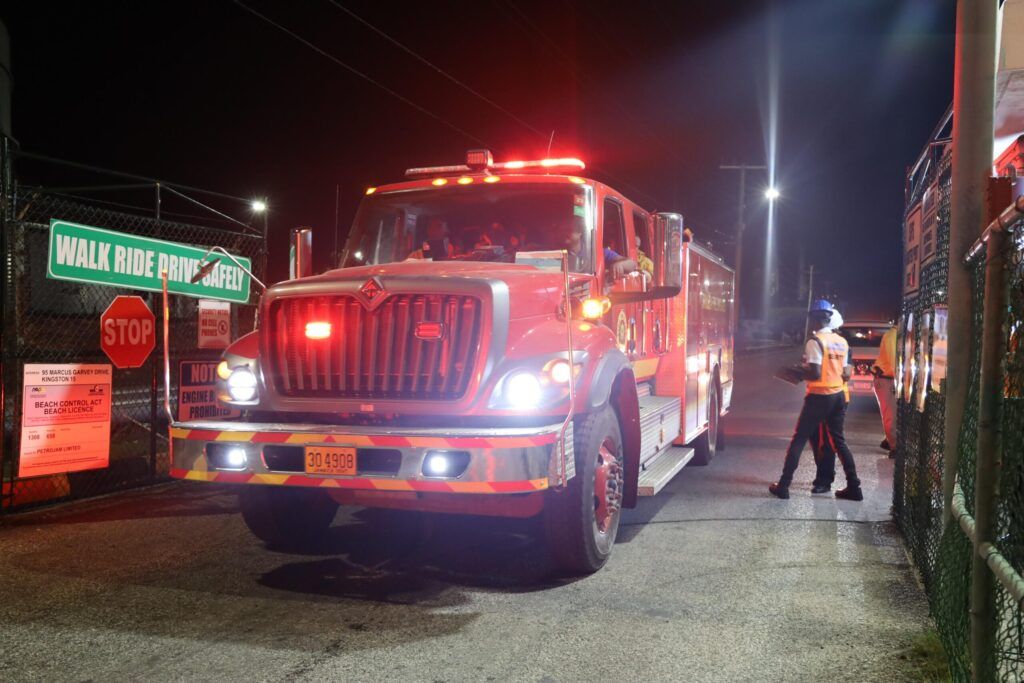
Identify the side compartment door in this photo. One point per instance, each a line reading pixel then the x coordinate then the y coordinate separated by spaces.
pixel 695 346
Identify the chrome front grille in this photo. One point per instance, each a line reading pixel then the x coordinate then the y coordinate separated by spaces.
pixel 373 354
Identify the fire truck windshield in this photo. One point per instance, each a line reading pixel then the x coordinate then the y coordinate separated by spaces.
pixel 488 222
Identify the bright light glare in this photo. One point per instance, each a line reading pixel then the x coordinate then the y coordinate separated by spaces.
pixel 438 182
pixel 258 205
pixel 437 464
pixel 242 384
pixel 223 371
pixel 491 179
pixel 318 330
pixel 522 390
pixel 559 372
pixel 771 194
pixel 235 457
pixel 464 180
pixel 593 308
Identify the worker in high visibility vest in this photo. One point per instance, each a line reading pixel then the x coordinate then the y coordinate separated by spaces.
pixel 821 443
pixel 826 355
pixel 884 370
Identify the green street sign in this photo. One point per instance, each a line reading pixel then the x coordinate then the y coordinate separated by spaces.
pixel 82 253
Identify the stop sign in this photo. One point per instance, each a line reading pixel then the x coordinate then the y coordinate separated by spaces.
pixel 128 331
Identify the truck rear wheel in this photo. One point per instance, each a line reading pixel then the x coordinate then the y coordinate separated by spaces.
pixel 706 445
pixel 287 518
pixel 582 520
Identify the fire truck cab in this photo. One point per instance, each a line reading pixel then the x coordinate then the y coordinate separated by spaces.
pixel 501 338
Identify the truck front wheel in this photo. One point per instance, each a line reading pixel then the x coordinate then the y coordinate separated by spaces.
pixel 582 520
pixel 286 518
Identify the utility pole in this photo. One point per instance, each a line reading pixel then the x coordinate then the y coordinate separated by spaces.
pixel 973 112
pixel 741 227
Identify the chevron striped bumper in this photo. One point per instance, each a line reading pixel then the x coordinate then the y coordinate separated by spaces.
pixel 501 461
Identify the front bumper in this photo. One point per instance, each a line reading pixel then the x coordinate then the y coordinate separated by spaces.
pixel 501 461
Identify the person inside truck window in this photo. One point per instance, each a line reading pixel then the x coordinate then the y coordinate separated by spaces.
pixel 643 261
pixel 616 265
pixel 437 238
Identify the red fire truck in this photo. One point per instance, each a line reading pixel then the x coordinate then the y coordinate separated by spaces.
pixel 502 338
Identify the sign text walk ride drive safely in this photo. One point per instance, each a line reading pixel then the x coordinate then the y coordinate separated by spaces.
pixel 86 254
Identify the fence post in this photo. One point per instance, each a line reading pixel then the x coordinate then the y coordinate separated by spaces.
pixel 989 455
pixel 973 105
pixel 154 387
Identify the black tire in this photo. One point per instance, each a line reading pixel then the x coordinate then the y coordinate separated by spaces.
pixel 287 518
pixel 706 445
pixel 579 537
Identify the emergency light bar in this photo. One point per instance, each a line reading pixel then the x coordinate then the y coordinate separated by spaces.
pixel 482 160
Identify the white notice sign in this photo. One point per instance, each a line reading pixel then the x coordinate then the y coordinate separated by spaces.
pixel 65 419
pixel 214 324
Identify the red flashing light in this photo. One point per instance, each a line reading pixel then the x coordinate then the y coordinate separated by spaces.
pixel 429 331
pixel 318 330
pixel 482 160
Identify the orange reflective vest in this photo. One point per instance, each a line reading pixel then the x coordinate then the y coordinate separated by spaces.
pixel 834 352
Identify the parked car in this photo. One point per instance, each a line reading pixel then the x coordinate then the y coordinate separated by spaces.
pixel 864 337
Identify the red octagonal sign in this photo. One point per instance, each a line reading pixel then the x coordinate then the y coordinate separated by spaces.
pixel 128 331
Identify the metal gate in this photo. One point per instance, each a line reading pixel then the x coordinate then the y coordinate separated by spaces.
pixel 53 321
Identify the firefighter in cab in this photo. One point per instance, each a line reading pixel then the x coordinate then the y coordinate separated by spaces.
pixel 825 369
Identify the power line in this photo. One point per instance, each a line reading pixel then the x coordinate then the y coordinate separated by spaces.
pixel 436 68
pixel 413 104
pixel 473 92
pixel 360 74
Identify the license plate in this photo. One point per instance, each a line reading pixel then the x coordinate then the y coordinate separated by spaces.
pixel 330 460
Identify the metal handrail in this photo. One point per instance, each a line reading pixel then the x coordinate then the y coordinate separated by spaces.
pixel 1011 580
pixel 1004 221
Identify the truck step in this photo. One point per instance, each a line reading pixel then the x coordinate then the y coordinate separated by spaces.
pixel 659 472
pixel 659 425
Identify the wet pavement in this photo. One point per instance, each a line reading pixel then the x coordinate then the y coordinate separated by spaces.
pixel 711 580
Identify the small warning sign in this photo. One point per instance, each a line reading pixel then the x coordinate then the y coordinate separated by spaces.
pixel 197 397
pixel 214 324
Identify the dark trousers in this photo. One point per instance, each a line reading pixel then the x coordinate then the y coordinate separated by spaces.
pixel 828 411
pixel 825 458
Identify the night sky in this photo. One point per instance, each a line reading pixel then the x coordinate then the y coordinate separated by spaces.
pixel 654 96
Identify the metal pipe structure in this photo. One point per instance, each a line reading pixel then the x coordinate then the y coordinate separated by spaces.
pixel 973 106
pixel 997 562
pixel 572 370
pixel 167 351
pixel 989 454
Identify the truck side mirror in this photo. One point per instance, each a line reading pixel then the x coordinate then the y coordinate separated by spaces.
pixel 300 255
pixel 668 262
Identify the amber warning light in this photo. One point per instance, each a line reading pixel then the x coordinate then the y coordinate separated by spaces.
pixel 318 330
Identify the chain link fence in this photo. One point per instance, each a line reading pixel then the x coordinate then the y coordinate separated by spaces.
pixel 54 321
pixel 943 556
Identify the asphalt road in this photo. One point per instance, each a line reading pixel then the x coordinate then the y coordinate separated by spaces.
pixel 711 580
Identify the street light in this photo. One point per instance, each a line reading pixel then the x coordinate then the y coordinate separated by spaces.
pixel 258 206
pixel 771 194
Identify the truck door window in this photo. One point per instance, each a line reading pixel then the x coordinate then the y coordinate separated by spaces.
pixel 614 228
pixel 642 230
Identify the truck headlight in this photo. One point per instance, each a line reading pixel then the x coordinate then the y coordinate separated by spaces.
pixel 522 390
pixel 242 384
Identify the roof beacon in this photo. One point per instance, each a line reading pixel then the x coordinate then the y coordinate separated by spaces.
pixel 482 160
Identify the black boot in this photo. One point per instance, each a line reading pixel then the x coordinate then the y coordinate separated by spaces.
pixel 820 489
pixel 779 491
pixel 850 493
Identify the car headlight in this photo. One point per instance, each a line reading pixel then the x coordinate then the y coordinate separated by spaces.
pixel 242 384
pixel 522 390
